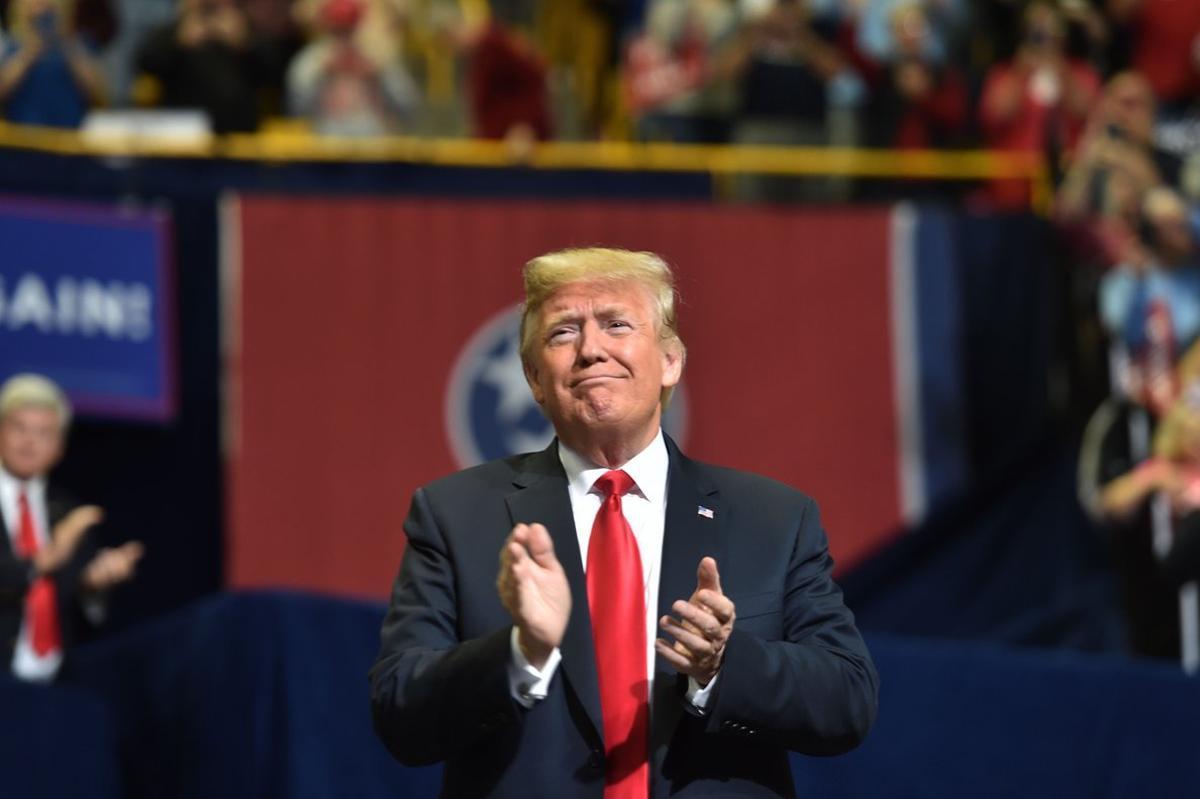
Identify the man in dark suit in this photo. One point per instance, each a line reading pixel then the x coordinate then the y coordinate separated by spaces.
pixel 52 579
pixel 550 679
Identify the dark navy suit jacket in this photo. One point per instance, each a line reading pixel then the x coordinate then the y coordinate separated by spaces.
pixel 14 582
pixel 796 674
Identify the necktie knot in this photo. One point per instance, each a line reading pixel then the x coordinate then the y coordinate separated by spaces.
pixel 614 483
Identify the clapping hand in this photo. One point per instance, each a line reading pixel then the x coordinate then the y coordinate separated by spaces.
pixel 701 628
pixel 533 588
pixel 65 538
pixel 112 566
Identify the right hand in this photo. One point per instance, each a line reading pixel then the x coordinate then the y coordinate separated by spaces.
pixel 65 538
pixel 533 589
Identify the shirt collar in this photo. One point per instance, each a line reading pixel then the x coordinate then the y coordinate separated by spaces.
pixel 10 486
pixel 648 469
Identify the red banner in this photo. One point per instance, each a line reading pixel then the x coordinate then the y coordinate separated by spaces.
pixel 370 351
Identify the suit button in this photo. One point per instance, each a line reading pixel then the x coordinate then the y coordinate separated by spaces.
pixel 595 762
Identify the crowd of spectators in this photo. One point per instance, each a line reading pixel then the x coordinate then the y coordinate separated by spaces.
pixel 895 73
pixel 1117 114
pixel 1108 91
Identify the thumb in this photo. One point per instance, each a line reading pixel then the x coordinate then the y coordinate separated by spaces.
pixel 540 546
pixel 707 576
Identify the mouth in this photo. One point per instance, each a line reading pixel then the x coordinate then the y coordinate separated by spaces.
pixel 592 380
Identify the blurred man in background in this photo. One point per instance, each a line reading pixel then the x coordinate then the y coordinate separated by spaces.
pixel 52 579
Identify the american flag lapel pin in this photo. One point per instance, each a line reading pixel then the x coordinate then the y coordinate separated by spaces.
pixel 703 511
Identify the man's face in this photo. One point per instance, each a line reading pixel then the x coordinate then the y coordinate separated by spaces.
pixel 30 441
pixel 596 366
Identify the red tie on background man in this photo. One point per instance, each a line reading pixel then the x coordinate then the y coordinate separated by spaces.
pixel 41 604
pixel 617 602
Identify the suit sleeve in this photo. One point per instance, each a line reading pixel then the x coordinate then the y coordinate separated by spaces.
pixel 815 691
pixel 433 695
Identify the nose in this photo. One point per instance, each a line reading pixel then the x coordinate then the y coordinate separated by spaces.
pixel 591 344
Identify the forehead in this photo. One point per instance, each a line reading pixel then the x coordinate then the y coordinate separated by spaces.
pixel 31 415
pixel 596 296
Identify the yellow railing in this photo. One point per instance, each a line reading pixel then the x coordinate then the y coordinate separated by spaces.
pixel 287 144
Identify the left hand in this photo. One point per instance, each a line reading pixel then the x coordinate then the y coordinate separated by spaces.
pixel 112 566
pixel 702 628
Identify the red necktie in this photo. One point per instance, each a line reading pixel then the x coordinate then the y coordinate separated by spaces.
pixel 617 601
pixel 41 603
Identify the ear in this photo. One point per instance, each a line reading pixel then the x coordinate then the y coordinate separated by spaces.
pixel 672 354
pixel 531 378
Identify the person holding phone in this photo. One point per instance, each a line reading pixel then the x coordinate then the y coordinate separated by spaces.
pixel 48 74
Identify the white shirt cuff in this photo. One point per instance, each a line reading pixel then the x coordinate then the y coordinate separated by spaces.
pixel 699 696
pixel 527 684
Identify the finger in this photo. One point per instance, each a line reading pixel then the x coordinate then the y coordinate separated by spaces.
pixel 124 564
pixel 705 622
pixel 134 550
pixel 719 605
pixel 697 645
pixel 707 576
pixel 671 656
pixel 90 514
pixel 516 553
pixel 541 546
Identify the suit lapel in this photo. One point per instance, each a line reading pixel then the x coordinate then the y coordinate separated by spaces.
pixel 689 534
pixel 690 531
pixel 542 496
pixel 5 544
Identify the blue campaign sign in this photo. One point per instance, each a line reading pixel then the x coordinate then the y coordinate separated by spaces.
pixel 86 300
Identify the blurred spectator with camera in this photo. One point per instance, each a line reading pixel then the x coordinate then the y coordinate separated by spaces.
pixel 1150 303
pixel 878 39
pixel 1145 490
pixel 797 87
pixel 341 88
pixel 1037 101
pixel 48 74
pixel 916 103
pixel 1114 165
pixel 379 29
pixel 1163 42
pixel 507 84
pixel 210 58
pixel 1119 137
pixel 53 578
pixel 674 85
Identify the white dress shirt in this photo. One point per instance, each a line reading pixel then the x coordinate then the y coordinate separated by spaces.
pixel 645 508
pixel 27 664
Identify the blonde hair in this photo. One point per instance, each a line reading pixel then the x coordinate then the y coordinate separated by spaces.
pixel 548 273
pixel 34 391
